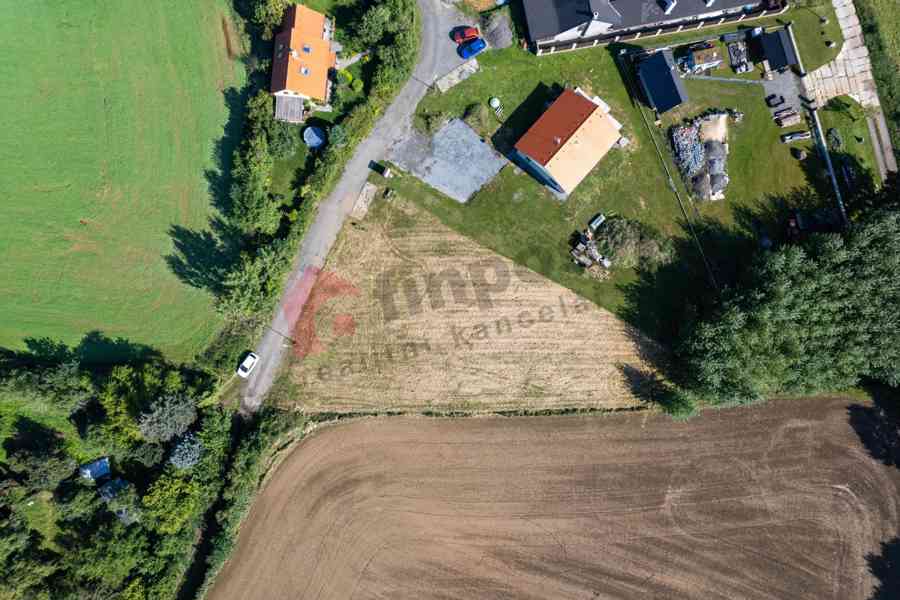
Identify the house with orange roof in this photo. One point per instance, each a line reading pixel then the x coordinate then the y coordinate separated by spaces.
pixel 302 62
pixel 568 140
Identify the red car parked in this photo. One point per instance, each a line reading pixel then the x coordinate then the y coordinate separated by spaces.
pixel 464 34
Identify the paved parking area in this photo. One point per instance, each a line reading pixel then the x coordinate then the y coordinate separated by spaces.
pixel 456 161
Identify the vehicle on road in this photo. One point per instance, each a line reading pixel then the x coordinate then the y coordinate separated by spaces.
pixel 795 137
pixel 247 366
pixel 465 34
pixel 472 48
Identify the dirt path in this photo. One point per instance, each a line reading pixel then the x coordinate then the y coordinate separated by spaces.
pixel 436 57
pixel 774 501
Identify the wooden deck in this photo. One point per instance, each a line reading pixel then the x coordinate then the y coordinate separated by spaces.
pixel 288 108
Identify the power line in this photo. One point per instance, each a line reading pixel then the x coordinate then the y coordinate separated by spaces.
pixel 671 181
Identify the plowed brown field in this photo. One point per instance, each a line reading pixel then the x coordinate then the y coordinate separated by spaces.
pixel 774 501
pixel 410 315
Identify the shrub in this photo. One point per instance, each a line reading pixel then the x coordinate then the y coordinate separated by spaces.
pixel 337 136
pixel 148 455
pixel 344 77
pixel 170 416
pixel 477 116
pixel 187 452
pixel 172 502
pixel 629 243
pixel 357 85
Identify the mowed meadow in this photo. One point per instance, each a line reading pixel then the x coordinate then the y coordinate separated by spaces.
pixel 110 116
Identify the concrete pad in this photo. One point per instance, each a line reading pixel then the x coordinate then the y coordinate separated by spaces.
pixel 457 75
pixel 456 161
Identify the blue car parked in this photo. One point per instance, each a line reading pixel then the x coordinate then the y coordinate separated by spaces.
pixel 472 48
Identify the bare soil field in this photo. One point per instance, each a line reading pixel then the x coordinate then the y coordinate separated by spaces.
pixel 775 501
pixel 409 315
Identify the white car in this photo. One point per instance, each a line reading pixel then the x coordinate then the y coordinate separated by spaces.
pixel 248 365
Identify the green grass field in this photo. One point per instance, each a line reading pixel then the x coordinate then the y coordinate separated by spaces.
pixel 111 115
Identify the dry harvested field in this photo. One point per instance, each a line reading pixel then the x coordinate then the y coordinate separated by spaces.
pixel 409 315
pixel 774 501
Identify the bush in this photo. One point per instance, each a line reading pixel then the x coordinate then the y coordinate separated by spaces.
pixel 170 416
pixel 630 243
pixel 477 116
pixel 357 85
pixel 172 502
pixel 337 136
pixel 344 77
pixel 187 452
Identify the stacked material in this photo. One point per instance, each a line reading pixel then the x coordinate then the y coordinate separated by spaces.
pixel 689 154
pixel 701 155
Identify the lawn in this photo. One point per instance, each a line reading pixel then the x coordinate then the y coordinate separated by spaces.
pixel 881 29
pixel 846 116
pixel 518 218
pixel 113 114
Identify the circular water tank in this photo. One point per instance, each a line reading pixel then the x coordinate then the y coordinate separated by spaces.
pixel 495 102
pixel 313 137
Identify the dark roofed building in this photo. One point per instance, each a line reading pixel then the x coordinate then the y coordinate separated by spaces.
pixel 111 489
pixel 569 20
pixel 95 470
pixel 662 86
pixel 778 49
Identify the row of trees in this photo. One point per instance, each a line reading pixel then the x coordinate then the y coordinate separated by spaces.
pixel 809 317
pixel 268 226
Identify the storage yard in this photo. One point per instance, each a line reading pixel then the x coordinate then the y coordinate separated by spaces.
pixel 774 501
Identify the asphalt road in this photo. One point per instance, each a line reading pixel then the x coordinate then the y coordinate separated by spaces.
pixel 437 56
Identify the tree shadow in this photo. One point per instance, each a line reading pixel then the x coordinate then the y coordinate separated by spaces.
pixel 202 257
pixel 95 349
pixel 877 425
pixel 886 567
pixel 33 437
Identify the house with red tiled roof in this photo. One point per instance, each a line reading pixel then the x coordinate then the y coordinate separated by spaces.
pixel 302 62
pixel 568 140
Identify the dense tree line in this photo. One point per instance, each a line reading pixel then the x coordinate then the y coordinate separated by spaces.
pixel 138 543
pixel 819 315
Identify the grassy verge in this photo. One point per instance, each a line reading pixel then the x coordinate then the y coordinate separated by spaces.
pixel 881 30
pixel 848 118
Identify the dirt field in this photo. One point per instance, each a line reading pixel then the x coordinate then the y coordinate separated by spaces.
pixel 775 501
pixel 409 315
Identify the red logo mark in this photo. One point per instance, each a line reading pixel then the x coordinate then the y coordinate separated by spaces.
pixel 311 292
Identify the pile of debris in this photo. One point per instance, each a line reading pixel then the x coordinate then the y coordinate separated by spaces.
pixel 586 253
pixel 701 154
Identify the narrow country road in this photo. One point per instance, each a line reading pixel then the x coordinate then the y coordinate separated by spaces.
pixel 436 57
